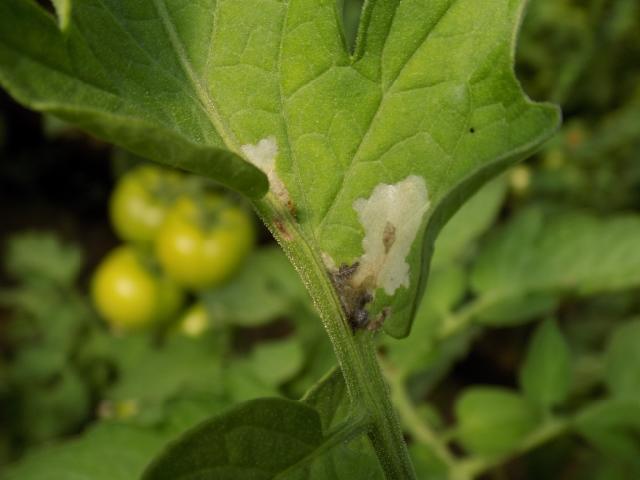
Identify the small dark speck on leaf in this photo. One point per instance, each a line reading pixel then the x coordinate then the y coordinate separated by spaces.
pixel 472 130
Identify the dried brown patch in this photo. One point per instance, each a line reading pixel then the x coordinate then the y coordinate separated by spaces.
pixel 353 298
pixel 283 232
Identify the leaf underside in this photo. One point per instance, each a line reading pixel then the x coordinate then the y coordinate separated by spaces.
pixel 262 439
pixel 430 91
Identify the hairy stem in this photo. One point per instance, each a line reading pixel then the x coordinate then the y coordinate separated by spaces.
pixel 356 353
pixel 412 421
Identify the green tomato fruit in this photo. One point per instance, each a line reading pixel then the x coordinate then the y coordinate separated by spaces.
pixel 130 296
pixel 140 201
pixel 202 244
pixel 194 322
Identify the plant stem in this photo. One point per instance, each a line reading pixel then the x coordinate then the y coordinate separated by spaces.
pixel 410 418
pixel 462 319
pixel 356 353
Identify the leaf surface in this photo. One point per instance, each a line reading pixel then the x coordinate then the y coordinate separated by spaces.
pixel 613 426
pixel 622 361
pixel 428 107
pixel 455 241
pixel 260 439
pixel 125 72
pixel 492 420
pixel 276 291
pixel 543 253
pixel 353 459
pixel 108 450
pixel 545 375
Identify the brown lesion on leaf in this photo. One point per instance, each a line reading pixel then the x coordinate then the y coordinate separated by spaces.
pixel 377 323
pixel 291 208
pixel 282 230
pixel 355 298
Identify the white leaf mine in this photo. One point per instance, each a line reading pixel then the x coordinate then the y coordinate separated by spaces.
pixel 263 155
pixel 391 218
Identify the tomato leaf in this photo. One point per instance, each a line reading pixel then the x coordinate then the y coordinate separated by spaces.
pixel 260 439
pixel 613 426
pixel 545 376
pixel 329 397
pixel 108 450
pixel 187 365
pixel 541 254
pixel 276 291
pixel 622 366
pixel 492 420
pixel 34 257
pixel 472 220
pixel 126 80
pixel 354 459
pixel 428 107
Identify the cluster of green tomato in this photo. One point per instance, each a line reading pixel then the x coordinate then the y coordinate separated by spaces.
pixel 179 237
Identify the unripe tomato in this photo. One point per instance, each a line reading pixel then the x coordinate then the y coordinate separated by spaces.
pixel 194 322
pixel 129 295
pixel 520 179
pixel 140 202
pixel 202 243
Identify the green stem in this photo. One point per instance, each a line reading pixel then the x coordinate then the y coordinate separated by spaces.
pixel 356 353
pixel 412 421
pixel 462 319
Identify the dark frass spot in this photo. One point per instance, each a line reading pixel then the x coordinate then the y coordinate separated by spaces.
pixel 472 130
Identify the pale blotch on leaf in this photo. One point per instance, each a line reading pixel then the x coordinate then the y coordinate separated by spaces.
pixel 391 218
pixel 263 155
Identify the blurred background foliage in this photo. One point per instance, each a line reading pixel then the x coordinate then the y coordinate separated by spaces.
pixel 532 312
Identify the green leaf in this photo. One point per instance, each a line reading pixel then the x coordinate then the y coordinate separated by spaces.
pixel 516 308
pixel 468 223
pixel 613 426
pixel 622 361
pixel 544 253
pixel 276 362
pixel 422 350
pixel 186 366
pixel 107 452
pixel 492 421
pixel 49 409
pixel 319 354
pixel 428 107
pixel 42 257
pixel 260 439
pixel 355 459
pixel 268 366
pixel 140 84
pixel 330 399
pixel 276 291
pixel 428 466
pixel 545 375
